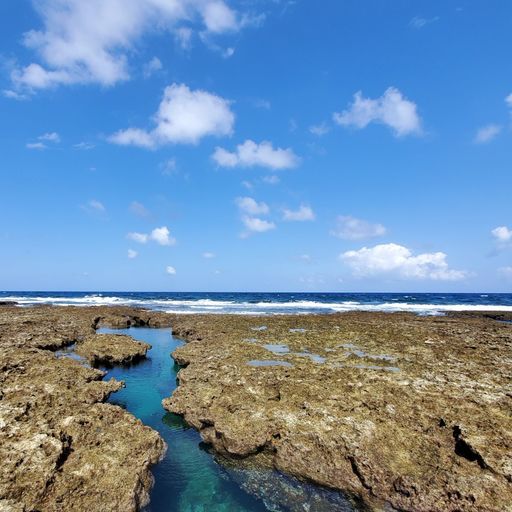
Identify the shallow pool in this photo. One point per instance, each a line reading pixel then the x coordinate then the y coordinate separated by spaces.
pixel 189 479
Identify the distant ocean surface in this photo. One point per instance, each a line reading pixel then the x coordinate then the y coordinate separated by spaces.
pixel 273 303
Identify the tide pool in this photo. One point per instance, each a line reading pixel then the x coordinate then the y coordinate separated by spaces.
pixel 189 479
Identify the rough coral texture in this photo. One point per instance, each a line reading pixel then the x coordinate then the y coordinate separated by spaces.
pixel 397 409
pixel 61 447
pixel 110 349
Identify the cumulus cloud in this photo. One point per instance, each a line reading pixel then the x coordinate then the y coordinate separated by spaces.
pixel 257 225
pixel 304 213
pixel 351 228
pixel 249 209
pixel 391 109
pixel 399 260
pixel 502 234
pixel 170 270
pixel 251 206
pixel 251 154
pixel 132 254
pixel 208 255
pixel 89 42
pixel 162 236
pixel 184 117
pixel 487 133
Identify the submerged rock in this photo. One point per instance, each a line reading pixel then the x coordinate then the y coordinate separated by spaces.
pixel 410 411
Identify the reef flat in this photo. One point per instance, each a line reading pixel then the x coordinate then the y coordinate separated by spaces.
pixel 396 409
pixel 61 447
pixel 393 409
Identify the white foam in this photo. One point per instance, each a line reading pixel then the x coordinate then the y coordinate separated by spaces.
pixel 210 306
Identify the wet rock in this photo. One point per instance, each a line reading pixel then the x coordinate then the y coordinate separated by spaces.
pixel 110 349
pixel 404 410
pixel 61 447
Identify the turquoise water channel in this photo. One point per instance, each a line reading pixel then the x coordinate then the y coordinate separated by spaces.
pixel 189 478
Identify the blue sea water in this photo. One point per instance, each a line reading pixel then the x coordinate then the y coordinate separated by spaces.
pixel 189 479
pixel 274 303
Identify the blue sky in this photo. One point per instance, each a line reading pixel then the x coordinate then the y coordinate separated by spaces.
pixel 258 145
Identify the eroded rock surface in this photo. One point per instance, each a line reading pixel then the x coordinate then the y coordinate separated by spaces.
pixel 110 349
pixel 394 408
pixel 61 447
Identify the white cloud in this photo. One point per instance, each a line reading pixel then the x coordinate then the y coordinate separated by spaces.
pixel 184 116
pixel 35 145
pixel 170 270
pixel 271 180
pixel 132 254
pixel 250 154
pixel 391 109
pixel 350 228
pixel 304 213
pixel 487 133
pixel 159 235
pixel 183 37
pixel 89 42
pixel 251 206
pixel 502 234
pixel 151 67
pixel 96 205
pixel 319 129
pixel 50 137
pixel 398 260
pixel 83 145
pixel 14 95
pixel 257 225
pixel 508 100
pixel 133 137
pixel 208 255
pixel 417 22
pixel 162 236
pixel 305 258
pixel 140 238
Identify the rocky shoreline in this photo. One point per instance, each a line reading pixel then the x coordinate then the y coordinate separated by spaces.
pixel 396 409
pixel 62 448
pixel 393 409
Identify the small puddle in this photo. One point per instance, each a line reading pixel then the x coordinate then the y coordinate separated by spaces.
pixel 269 362
pixel 69 353
pixel 316 358
pixel 277 348
pixel 297 330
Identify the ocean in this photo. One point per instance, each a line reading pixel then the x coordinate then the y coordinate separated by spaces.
pixel 273 303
